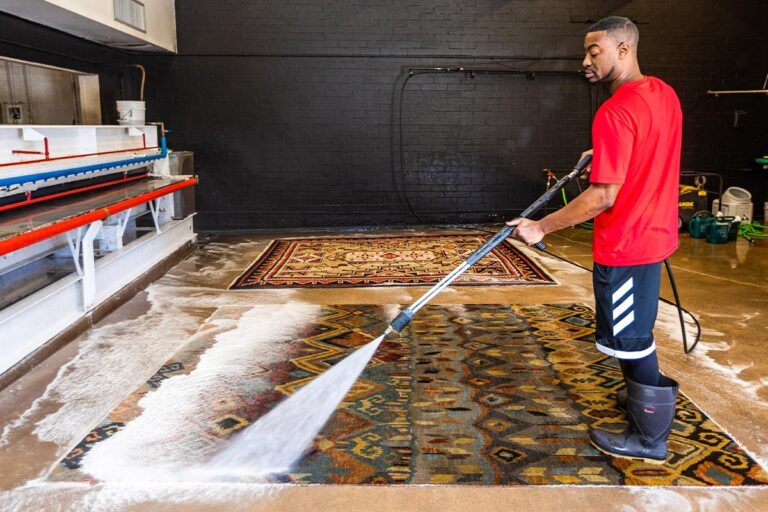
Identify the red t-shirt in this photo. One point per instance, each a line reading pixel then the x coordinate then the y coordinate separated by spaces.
pixel 636 137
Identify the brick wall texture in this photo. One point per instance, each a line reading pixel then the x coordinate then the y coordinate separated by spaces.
pixel 303 113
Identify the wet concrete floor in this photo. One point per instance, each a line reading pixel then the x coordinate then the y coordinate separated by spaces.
pixel 52 407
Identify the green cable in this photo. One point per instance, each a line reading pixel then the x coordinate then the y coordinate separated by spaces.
pixel 750 231
pixel 586 225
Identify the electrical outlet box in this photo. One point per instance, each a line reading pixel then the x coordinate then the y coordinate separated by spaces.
pixel 14 113
pixel 739 118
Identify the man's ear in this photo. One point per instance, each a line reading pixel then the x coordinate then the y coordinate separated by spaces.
pixel 623 50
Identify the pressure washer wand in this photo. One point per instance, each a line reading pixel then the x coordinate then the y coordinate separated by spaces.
pixel 405 316
pixel 277 440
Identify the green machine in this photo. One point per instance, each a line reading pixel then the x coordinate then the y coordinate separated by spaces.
pixel 699 223
pixel 717 230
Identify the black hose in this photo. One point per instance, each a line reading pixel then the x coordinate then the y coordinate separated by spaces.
pixel 404 189
pixel 680 312
pixel 531 74
pixel 403 185
pixel 680 308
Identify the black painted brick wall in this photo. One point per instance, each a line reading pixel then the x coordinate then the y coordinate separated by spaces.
pixel 293 107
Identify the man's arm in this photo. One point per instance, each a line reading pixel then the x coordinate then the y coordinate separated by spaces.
pixel 595 199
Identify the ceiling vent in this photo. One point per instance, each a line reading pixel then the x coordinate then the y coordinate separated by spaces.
pixel 131 13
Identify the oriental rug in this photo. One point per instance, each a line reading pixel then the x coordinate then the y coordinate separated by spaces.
pixel 385 261
pixel 470 394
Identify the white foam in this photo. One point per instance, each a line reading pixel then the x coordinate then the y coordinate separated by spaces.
pixel 146 448
pixel 659 500
pixel 278 439
pixel 108 497
pixel 655 499
pixel 118 357
pixel 111 359
pixel 669 322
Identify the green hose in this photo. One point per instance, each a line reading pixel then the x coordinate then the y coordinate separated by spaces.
pixel 752 230
pixel 586 225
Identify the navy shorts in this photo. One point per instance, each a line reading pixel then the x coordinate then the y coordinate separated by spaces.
pixel 627 301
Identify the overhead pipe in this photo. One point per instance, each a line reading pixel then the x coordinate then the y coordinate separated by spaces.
pixel 471 71
pixel 531 74
pixel 143 80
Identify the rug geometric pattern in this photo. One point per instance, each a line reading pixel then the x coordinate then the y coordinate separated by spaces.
pixel 382 261
pixel 470 394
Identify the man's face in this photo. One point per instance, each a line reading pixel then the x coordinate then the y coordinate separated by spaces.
pixel 601 60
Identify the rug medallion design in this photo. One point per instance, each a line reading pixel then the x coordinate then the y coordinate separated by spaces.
pixel 471 394
pixel 382 261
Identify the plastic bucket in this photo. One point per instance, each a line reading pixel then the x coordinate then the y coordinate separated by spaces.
pixel 743 210
pixel 736 195
pixel 131 112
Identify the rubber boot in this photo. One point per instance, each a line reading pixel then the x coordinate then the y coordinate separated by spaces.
pixel 650 411
pixel 621 399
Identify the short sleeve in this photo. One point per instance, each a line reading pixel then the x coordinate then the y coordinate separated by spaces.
pixel 612 141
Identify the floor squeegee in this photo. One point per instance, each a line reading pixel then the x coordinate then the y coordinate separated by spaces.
pixel 279 438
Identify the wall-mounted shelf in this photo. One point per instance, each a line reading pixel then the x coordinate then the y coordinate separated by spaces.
pixel 764 90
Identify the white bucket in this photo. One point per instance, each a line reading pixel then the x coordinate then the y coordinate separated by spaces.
pixel 131 112
pixel 736 195
pixel 743 210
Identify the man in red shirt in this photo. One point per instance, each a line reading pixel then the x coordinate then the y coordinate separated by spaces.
pixel 633 194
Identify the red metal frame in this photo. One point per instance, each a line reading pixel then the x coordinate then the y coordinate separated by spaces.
pixel 37 235
pixel 30 200
pixel 47 159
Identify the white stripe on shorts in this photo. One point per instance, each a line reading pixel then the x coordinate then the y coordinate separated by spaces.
pixel 620 354
pixel 621 308
pixel 628 284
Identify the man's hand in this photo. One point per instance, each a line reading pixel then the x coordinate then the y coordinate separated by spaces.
pixel 588 168
pixel 528 231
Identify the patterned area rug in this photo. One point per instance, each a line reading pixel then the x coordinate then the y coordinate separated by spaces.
pixel 471 394
pixel 382 261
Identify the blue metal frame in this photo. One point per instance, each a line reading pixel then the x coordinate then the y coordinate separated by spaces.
pixel 18 180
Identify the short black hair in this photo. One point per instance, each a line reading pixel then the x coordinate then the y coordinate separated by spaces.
pixel 618 26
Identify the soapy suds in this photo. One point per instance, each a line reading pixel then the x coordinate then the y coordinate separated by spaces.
pixel 118 356
pixel 145 448
pixel 107 497
pixel 659 500
pixel 668 322
pixel 703 500
pixel 278 439
pixel 166 297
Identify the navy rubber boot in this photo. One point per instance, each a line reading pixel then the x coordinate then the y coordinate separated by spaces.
pixel 650 411
pixel 621 399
